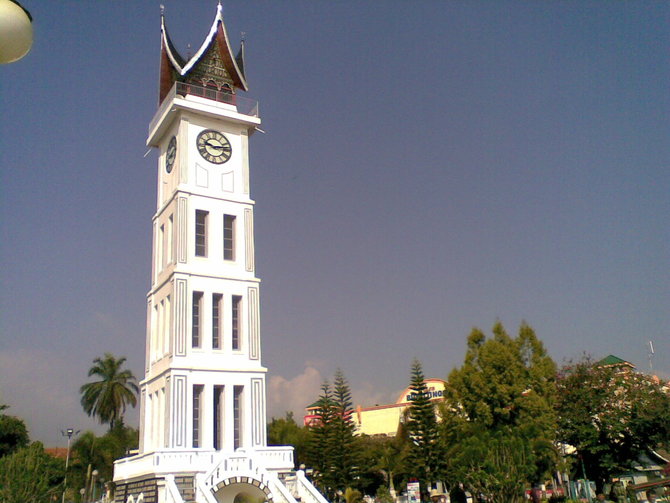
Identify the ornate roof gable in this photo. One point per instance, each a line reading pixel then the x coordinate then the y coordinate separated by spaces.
pixel 212 63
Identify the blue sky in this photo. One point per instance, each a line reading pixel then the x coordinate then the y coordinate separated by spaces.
pixel 427 167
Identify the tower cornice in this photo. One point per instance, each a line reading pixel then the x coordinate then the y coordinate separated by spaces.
pixel 175 104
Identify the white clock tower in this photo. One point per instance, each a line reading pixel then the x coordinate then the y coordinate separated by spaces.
pixel 203 422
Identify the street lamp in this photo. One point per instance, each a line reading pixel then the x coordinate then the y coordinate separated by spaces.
pixel 16 31
pixel 69 433
pixel 91 489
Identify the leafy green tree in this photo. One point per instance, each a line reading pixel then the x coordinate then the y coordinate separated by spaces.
pixel 91 452
pixel 30 475
pixel 13 433
pixel 494 463
pixel 382 462
pixel 498 415
pixel 610 417
pixel 353 496
pixel 426 453
pixel 108 397
pixel 285 431
pixel 383 495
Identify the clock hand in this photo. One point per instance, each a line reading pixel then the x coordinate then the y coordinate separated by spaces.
pixel 218 147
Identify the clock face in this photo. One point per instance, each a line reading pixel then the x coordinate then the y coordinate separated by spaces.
pixel 214 146
pixel 171 154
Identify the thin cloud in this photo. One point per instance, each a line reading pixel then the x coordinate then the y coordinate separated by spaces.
pixel 294 394
pixel 42 388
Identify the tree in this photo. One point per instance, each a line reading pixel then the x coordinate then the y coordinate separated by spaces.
pixel 108 397
pixel 610 416
pixel 498 416
pixel 386 456
pixel 345 453
pixel 29 475
pixel 426 453
pixel 332 448
pixel 13 433
pixel 319 440
pixel 285 431
pixel 91 452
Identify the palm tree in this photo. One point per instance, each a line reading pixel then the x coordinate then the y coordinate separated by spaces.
pixel 107 398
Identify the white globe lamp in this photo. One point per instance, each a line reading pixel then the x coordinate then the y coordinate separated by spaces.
pixel 16 31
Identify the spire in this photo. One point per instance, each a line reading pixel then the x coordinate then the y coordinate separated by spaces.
pixel 239 57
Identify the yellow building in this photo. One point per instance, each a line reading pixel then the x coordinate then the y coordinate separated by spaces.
pixel 383 419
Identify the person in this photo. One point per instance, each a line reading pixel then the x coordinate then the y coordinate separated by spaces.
pixel 536 495
pixel 457 495
pixel 630 493
pixel 651 496
pixel 618 493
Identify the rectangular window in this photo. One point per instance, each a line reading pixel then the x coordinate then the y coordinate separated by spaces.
pixel 161 330
pixel 197 414
pixel 217 300
pixel 160 255
pixel 201 233
pixel 154 333
pixel 228 237
pixel 167 336
pixel 169 231
pixel 196 320
pixel 237 415
pixel 218 417
pixel 237 325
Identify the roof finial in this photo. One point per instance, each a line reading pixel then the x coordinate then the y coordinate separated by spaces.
pixel 244 36
pixel 162 9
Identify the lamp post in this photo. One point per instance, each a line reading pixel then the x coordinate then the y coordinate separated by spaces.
pixel 69 433
pixel 91 489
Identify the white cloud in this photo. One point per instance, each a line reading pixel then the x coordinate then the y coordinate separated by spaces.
pixel 296 393
pixel 293 394
pixel 367 394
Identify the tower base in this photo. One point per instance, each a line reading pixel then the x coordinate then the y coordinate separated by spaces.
pixel 208 476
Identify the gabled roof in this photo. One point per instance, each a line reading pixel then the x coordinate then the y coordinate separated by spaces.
pixel 614 361
pixel 216 46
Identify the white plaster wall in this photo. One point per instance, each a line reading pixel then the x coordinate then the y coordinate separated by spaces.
pixel 173 365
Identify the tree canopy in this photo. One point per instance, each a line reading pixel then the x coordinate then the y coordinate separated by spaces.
pixel 610 416
pixel 29 475
pixel 13 433
pixel 498 415
pixel 285 431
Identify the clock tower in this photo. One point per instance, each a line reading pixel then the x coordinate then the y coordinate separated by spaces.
pixel 202 403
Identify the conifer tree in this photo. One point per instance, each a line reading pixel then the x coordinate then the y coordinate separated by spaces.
pixel 426 453
pixel 320 439
pixel 344 447
pixel 332 450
